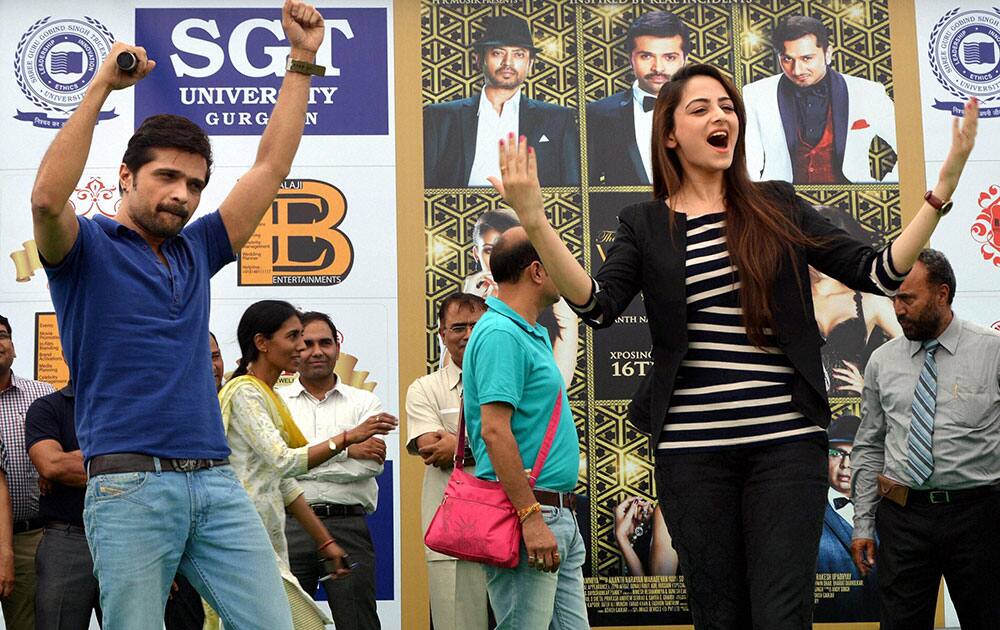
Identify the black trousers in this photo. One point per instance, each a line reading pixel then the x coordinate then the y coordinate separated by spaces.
pixel 920 543
pixel 184 610
pixel 746 525
pixel 67 592
pixel 351 599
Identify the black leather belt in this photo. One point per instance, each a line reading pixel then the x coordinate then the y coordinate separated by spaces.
pixel 556 499
pixel 26 526
pixel 65 527
pixel 335 510
pixel 936 497
pixel 136 462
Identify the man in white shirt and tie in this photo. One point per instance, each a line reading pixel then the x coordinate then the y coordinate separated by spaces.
pixel 620 126
pixel 342 491
pixel 461 137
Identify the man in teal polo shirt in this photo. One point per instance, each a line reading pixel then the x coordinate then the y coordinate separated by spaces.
pixel 511 387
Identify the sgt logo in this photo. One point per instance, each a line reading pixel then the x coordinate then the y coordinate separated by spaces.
pixel 298 241
pixel 986 229
pixel 56 60
pixel 222 68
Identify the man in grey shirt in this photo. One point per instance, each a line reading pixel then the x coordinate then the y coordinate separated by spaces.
pixel 927 459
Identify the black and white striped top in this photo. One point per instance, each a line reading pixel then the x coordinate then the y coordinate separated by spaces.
pixel 728 393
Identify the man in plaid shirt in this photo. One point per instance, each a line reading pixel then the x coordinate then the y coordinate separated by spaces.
pixel 16 395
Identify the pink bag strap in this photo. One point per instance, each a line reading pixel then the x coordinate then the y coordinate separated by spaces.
pixel 550 434
pixel 543 452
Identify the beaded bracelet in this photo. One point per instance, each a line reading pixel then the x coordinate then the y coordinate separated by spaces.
pixel 524 513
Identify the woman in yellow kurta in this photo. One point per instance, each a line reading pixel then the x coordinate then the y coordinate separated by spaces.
pixel 268 450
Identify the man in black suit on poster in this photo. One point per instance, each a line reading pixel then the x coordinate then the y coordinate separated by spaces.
pixel 619 127
pixel 461 137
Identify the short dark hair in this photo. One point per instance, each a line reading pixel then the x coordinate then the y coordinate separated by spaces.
pixel 797 26
pixel 462 300
pixel 6 322
pixel 315 316
pixel 939 270
pixel 166 131
pixel 658 24
pixel 498 220
pixel 510 258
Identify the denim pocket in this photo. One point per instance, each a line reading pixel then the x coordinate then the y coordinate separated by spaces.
pixel 228 473
pixel 118 485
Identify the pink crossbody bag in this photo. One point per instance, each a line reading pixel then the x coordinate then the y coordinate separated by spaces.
pixel 476 521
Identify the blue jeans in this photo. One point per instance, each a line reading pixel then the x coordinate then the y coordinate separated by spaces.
pixel 524 598
pixel 143 527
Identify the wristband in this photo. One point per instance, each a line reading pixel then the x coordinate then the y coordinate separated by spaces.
pixel 304 67
pixel 325 545
pixel 524 513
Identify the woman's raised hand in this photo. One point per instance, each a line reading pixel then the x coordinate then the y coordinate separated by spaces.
pixel 518 181
pixel 963 138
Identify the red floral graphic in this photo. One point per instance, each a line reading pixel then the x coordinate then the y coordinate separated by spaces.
pixel 96 192
pixel 986 229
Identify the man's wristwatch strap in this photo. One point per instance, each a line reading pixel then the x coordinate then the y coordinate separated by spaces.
pixel 304 67
pixel 942 207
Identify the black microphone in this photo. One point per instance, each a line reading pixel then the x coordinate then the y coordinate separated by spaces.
pixel 127 61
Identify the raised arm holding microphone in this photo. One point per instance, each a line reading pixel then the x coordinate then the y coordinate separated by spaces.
pixel 132 298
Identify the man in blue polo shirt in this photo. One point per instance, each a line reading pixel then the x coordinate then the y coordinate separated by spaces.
pixel 132 298
pixel 512 385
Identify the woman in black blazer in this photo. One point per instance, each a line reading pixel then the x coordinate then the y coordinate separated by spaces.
pixel 742 488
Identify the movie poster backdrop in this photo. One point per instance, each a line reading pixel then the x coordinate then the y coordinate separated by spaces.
pixel 594 170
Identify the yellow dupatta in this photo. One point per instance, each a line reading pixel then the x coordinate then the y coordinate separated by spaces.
pixel 289 431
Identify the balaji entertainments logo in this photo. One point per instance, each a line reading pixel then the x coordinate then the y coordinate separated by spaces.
pixel 55 62
pixel 964 51
pixel 297 242
pixel 986 229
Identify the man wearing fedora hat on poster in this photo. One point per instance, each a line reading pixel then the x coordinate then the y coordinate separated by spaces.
pixel 461 137
pixel 859 602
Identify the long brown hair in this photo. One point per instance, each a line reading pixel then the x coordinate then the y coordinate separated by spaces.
pixel 758 234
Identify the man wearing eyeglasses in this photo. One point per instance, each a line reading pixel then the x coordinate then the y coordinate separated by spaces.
pixel 858 603
pixel 457 588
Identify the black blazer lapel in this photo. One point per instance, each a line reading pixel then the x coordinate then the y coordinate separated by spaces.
pixel 839 103
pixel 786 108
pixel 470 125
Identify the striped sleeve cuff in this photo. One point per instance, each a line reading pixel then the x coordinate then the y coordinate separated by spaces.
pixel 884 274
pixel 590 311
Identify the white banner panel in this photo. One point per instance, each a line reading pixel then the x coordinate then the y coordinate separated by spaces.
pixel 327 243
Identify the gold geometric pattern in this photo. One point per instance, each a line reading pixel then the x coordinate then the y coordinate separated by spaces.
pixel 583 59
pixel 449 217
pixel 603 29
pixel 447 32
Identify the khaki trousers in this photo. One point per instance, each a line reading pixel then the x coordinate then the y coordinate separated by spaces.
pixel 458 595
pixel 19 606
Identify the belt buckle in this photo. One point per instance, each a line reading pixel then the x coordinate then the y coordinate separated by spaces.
pixel 185 465
pixel 939 496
